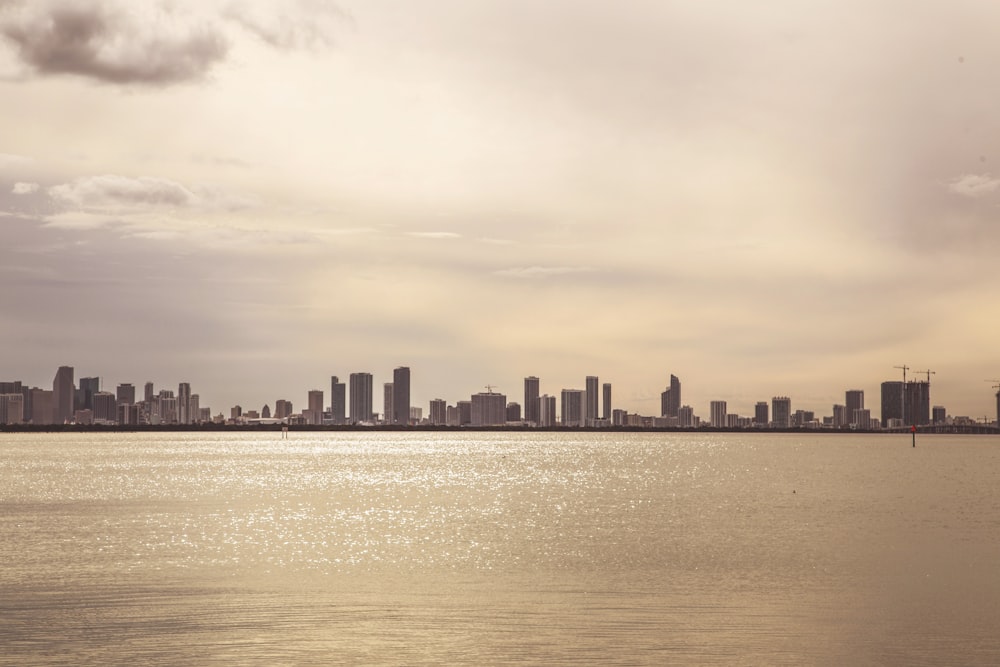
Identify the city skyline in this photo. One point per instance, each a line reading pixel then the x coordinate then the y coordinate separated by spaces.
pixel 577 407
pixel 254 196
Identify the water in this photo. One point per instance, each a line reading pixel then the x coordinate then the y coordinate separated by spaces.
pixel 498 548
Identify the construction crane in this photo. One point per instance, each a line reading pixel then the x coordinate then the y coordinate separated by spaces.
pixel 905 368
pixel 489 388
pixel 928 373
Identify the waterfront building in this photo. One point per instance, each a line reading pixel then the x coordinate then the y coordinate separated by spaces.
pixel 315 403
pixel 488 409
pixel 606 411
pixel 618 417
pixel 573 409
pixel 939 415
pixel 400 396
pixel 184 403
pixel 854 399
pixel 862 419
pixel 760 414
pixel 125 393
pixel 546 411
pixel 686 418
pixel 918 403
pixel 42 406
pixel 388 408
pixel 105 408
pixel 717 412
pixel 265 412
pixel 338 401
pixel 282 409
pixel 451 416
pixel 513 412
pixel 194 408
pixel 531 399
pixel 84 396
pixel 464 412
pixel 416 414
pixel 439 412
pixel 892 403
pixel 11 408
pixel 361 397
pixel 62 395
pixel 591 400
pixel 781 411
pixel 670 399
pixel 840 419
pixel 148 392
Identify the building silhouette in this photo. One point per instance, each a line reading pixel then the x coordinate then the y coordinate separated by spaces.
pixel 854 399
pixel 670 399
pixel 573 408
pixel 760 412
pixel 781 411
pixel 717 412
pixel 338 401
pixel 546 411
pixel 183 403
pixel 488 409
pixel 388 403
pixel 439 412
pixel 592 398
pixel 892 403
pixel 606 408
pixel 400 396
pixel 62 395
pixel 531 399
pixel 361 397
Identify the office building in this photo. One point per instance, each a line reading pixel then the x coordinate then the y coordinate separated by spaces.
pixel 194 408
pixel 85 395
pixel 11 408
pixel 546 411
pixel 282 409
pixel 717 412
pixel 670 398
pixel 125 394
pixel 400 396
pixel 606 410
pixel 183 403
pixel 592 399
pixel 388 407
pixel 42 406
pixel 862 419
pixel 63 393
pixel 781 412
pixel 513 412
pixel 488 409
pixel 464 412
pixel 892 403
pixel 760 414
pixel 105 408
pixel 361 397
pixel 854 399
pixel 938 415
pixel 338 401
pixel 918 403
pixel 439 412
pixel 315 402
pixel 686 418
pixel 840 419
pixel 531 399
pixel 148 392
pixel 573 408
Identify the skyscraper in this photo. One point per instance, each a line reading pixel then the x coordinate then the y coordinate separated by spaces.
pixel 401 395
pixel 573 409
pixel 85 397
pixel 546 411
pixel 315 398
pixel 892 402
pixel 531 399
pixel 918 403
pixel 854 399
pixel 489 409
pixel 439 412
pixel 781 412
pixel 338 400
pixel 592 400
pixel 606 408
pixel 183 403
pixel 388 403
pixel 760 414
pixel 62 395
pixel 125 393
pixel 361 397
pixel 718 413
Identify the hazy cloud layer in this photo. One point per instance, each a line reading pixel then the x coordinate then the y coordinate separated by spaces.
pixel 24 188
pixel 974 185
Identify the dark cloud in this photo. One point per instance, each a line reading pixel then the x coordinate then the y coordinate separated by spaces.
pixel 112 42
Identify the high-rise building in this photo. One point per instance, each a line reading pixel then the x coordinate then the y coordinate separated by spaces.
pixel 439 412
pixel 840 416
pixel 11 408
pixel 670 399
pixel 125 394
pixel 105 408
pixel 388 407
pixel 717 410
pixel 862 418
pixel 148 392
pixel 606 407
pixel 361 397
pixel 892 403
pixel 62 395
pixel 918 403
pixel 42 406
pixel 265 412
pixel 854 399
pixel 513 412
pixel 546 411
pixel 315 402
pixel 760 414
pixel 282 409
pixel 194 408
pixel 464 412
pixel 401 395
pixel 489 409
pixel 338 401
pixel 685 417
pixel 939 415
pixel 183 403
pixel 781 412
pixel 531 399
pixel 85 396
pixel 573 409
pixel 592 399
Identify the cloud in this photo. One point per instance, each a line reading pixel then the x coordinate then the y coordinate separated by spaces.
pixel 24 188
pixel 113 41
pixel 154 43
pixel 435 235
pixel 973 185
pixel 110 192
pixel 527 272
pixel 9 160
pixel 292 24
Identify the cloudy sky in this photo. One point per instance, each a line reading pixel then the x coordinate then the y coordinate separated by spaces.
pixel 766 198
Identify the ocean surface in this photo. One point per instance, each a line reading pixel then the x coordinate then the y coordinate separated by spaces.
pixel 499 548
